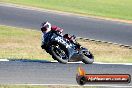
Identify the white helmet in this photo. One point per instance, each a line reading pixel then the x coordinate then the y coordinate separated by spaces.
pixel 46 27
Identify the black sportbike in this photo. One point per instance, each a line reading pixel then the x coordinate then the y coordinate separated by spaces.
pixel 64 50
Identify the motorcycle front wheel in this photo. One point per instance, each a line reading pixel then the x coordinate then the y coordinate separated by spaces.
pixel 59 53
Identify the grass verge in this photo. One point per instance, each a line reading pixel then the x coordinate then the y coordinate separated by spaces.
pixel 25 44
pixel 24 86
pixel 21 44
pixel 120 9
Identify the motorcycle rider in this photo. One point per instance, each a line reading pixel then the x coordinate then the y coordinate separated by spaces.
pixel 46 27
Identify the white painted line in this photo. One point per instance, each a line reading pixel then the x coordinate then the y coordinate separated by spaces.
pixel 68 62
pixel 94 85
pixel 79 62
pixel 75 62
pixel 113 63
pixel 96 63
pixel 4 60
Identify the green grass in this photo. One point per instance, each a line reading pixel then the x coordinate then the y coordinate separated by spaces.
pixel 108 52
pixel 25 86
pixel 121 9
pixel 21 43
pixel 16 86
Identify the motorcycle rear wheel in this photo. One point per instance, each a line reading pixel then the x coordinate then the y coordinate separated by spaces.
pixel 88 58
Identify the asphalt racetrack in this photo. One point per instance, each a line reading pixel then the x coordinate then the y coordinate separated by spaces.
pixel 85 27
pixel 44 72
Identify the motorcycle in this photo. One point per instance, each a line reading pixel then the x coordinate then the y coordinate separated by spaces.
pixel 62 50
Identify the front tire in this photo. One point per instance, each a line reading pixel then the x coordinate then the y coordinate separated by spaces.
pixel 59 53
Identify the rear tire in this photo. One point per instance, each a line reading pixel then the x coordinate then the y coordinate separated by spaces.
pixel 57 56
